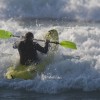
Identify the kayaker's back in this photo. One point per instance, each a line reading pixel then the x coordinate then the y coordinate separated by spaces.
pixel 27 51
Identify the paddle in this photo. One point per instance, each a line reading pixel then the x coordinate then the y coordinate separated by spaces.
pixel 67 44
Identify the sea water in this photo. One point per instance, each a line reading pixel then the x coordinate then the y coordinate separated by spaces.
pixel 73 74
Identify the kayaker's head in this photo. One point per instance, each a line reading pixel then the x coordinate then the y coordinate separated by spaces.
pixel 29 36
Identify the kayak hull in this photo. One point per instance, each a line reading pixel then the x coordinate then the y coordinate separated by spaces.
pixel 25 72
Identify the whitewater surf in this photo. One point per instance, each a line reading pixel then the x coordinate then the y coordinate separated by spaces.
pixel 72 73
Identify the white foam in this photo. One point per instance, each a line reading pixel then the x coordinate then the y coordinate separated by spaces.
pixel 71 69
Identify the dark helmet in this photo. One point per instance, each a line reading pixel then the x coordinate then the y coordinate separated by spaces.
pixel 29 35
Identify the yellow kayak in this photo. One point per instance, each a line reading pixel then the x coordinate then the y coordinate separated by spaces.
pixel 30 72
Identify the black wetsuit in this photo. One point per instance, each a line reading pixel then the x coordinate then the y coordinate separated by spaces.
pixel 28 51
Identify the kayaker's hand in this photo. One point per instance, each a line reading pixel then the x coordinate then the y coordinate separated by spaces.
pixel 15 45
pixel 47 41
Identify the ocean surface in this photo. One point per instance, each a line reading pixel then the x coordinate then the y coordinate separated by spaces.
pixel 73 74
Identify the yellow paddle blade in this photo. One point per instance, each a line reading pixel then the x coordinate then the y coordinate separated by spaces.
pixel 68 44
pixel 5 34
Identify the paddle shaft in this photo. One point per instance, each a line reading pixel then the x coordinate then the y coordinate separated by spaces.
pixel 44 41
pixel 38 39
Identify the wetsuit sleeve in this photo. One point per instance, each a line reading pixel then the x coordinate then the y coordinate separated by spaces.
pixel 42 49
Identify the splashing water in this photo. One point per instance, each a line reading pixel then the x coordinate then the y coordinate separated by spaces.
pixel 71 69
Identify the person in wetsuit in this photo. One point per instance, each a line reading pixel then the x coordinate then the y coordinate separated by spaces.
pixel 28 49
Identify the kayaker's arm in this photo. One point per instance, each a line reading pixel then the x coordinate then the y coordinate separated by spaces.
pixel 43 49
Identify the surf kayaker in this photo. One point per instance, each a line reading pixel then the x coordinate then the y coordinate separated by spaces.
pixel 28 49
